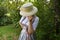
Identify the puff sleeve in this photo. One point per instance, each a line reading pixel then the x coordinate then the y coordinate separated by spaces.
pixel 35 23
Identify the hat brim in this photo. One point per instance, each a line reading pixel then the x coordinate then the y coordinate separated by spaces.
pixel 32 12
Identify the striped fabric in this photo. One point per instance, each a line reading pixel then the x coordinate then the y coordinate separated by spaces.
pixel 24 35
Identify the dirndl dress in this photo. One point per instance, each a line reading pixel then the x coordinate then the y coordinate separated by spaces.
pixel 24 35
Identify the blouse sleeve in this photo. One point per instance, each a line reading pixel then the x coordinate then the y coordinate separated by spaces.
pixel 35 23
pixel 21 19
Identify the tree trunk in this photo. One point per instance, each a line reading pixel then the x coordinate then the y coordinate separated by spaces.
pixel 57 14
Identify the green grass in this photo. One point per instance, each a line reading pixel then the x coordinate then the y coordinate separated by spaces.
pixel 9 32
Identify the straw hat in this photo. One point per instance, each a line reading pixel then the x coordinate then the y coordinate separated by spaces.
pixel 28 9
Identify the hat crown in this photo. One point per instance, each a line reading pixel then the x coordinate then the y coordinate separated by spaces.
pixel 27 7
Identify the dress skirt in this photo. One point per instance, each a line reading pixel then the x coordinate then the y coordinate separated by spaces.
pixel 24 35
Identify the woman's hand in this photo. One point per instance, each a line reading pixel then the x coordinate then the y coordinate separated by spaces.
pixel 30 19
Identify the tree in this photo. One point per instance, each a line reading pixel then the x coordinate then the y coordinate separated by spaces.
pixel 57 15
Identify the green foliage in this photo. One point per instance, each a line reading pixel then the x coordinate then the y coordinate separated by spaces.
pixel 5 21
pixel 45 30
pixel 11 14
pixel 3 11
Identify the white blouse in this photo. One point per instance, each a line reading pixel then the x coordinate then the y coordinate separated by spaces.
pixel 26 22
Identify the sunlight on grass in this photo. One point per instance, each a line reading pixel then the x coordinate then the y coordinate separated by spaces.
pixel 9 32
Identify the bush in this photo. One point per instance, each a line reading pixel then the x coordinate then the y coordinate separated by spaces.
pixel 3 11
pixel 4 20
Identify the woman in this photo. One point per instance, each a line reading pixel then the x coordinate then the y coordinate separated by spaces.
pixel 28 21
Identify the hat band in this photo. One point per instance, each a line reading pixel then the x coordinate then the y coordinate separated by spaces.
pixel 27 9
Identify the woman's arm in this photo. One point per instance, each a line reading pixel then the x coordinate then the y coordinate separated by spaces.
pixel 30 28
pixel 22 25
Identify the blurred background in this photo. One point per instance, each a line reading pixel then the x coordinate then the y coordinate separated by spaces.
pixel 48 13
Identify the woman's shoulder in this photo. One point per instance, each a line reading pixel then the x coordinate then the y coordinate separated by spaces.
pixel 22 18
pixel 37 18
